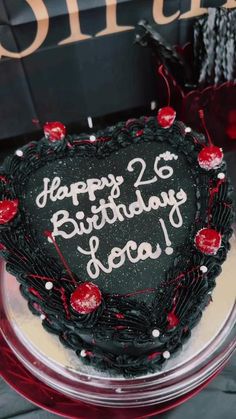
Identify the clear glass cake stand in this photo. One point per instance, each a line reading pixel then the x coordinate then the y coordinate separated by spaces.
pixel 213 342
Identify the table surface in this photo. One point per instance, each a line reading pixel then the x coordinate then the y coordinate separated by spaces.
pixel 217 401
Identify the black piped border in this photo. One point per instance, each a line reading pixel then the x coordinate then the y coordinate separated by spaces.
pixel 190 294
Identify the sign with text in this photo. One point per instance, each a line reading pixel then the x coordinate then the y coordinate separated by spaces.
pixel 70 59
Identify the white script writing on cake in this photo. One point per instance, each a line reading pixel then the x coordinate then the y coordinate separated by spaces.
pixel 117 257
pixel 110 210
pixel 55 191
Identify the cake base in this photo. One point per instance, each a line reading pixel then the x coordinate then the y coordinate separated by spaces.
pixel 212 343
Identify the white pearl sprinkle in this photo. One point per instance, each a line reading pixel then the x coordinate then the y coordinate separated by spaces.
pixel 203 269
pixel 221 175
pixel 169 250
pixel 49 285
pixel 187 130
pixel 83 353
pixel 42 316
pixel 166 354
pixel 153 105
pixel 155 333
pixel 90 122
pixel 92 138
pixel 19 153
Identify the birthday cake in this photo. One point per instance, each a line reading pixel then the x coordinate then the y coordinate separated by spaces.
pixel 117 238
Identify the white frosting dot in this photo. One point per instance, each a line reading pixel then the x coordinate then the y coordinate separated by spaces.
pixel 221 175
pixel 118 390
pixel 42 316
pixel 19 153
pixel 155 333
pixel 90 122
pixel 203 269
pixel 49 285
pixel 166 354
pixel 187 130
pixel 92 138
pixel 169 250
pixel 83 353
pixel 80 215
pixel 153 105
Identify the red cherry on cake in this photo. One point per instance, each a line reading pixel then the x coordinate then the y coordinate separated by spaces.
pixel 166 117
pixel 210 157
pixel 208 241
pixel 8 210
pixel 54 131
pixel 86 298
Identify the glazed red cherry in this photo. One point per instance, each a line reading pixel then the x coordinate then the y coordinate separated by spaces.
pixel 8 210
pixel 166 117
pixel 54 131
pixel 208 241
pixel 86 298
pixel 210 157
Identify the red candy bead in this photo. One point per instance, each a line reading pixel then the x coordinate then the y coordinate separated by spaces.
pixel 86 298
pixel 139 133
pixel 3 179
pixel 54 131
pixel 8 210
pixel 210 157
pixel 208 241
pixel 172 320
pixel 153 356
pixel 166 117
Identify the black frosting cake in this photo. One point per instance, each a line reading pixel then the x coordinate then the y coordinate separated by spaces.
pixel 117 238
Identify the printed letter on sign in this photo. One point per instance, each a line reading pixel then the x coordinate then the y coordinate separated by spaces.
pixel 111 20
pixel 76 35
pixel 196 10
pixel 41 14
pixel 230 4
pixel 158 14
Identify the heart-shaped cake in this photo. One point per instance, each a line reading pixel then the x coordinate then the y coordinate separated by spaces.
pixel 117 238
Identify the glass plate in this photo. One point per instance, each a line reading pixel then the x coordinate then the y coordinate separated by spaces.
pixel 211 345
